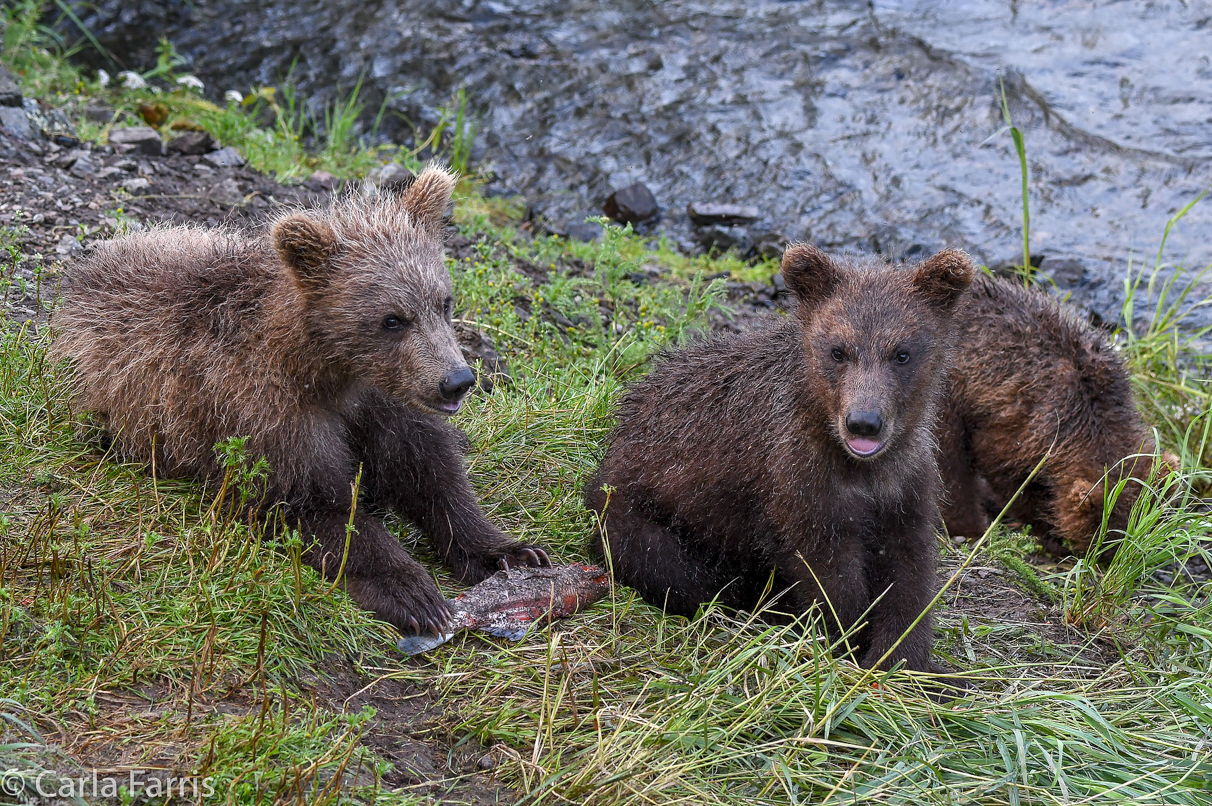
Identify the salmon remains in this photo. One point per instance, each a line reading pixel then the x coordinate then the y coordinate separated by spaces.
pixel 509 603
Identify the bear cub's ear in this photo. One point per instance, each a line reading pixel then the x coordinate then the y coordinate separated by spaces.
pixel 944 277
pixel 810 274
pixel 428 197
pixel 306 245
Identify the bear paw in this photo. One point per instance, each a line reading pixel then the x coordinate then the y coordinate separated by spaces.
pixel 513 554
pixel 410 602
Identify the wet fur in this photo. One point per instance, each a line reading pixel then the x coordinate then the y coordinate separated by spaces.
pixel 728 468
pixel 1031 377
pixel 183 337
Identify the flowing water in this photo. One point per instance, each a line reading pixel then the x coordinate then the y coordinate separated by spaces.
pixel 863 125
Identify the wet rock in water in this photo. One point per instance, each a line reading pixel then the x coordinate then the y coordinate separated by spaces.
pixel 10 91
pixel 1009 268
pixel 721 238
pixel 225 158
pixel 633 205
pixel 707 213
pixel 1065 272
pixel 138 139
pixel 192 144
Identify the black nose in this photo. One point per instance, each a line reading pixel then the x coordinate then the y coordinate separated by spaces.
pixel 864 423
pixel 456 383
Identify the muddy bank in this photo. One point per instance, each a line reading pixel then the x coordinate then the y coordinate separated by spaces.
pixel 872 126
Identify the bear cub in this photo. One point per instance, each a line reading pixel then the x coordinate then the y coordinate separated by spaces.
pixel 801 453
pixel 329 346
pixel 1035 380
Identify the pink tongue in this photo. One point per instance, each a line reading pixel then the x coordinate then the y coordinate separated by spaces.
pixel 863 446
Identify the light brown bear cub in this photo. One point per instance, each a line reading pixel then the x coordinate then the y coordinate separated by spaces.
pixel 803 451
pixel 328 344
pixel 1034 380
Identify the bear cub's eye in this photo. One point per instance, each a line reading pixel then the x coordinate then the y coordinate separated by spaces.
pixel 902 357
pixel 838 354
pixel 393 322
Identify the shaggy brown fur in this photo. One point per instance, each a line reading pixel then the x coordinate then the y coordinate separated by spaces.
pixel 328 345
pixel 1031 378
pixel 802 452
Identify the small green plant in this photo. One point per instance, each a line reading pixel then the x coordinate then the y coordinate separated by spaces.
pixel 340 121
pixel 10 241
pixel 1020 147
pixel 240 476
pixel 167 62
pixel 463 135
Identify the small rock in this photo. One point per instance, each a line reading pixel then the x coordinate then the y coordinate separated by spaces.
pixel 583 231
pixel 487 763
pixel 392 176
pixel 98 111
pixel 227 191
pixel 135 185
pixel 15 121
pixel 1009 268
pixel 633 205
pixel 770 245
pixel 323 180
pixel 83 164
pixel 722 238
pixel 10 91
pixel 69 246
pixel 225 158
pixel 192 144
pixel 707 213
pixel 1065 272
pixel 141 139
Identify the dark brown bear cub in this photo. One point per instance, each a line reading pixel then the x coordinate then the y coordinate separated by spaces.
pixel 328 345
pixel 803 451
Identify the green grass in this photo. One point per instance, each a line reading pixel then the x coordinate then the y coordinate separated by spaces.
pixel 115 585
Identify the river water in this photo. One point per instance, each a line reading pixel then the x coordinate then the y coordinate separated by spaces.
pixel 864 125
